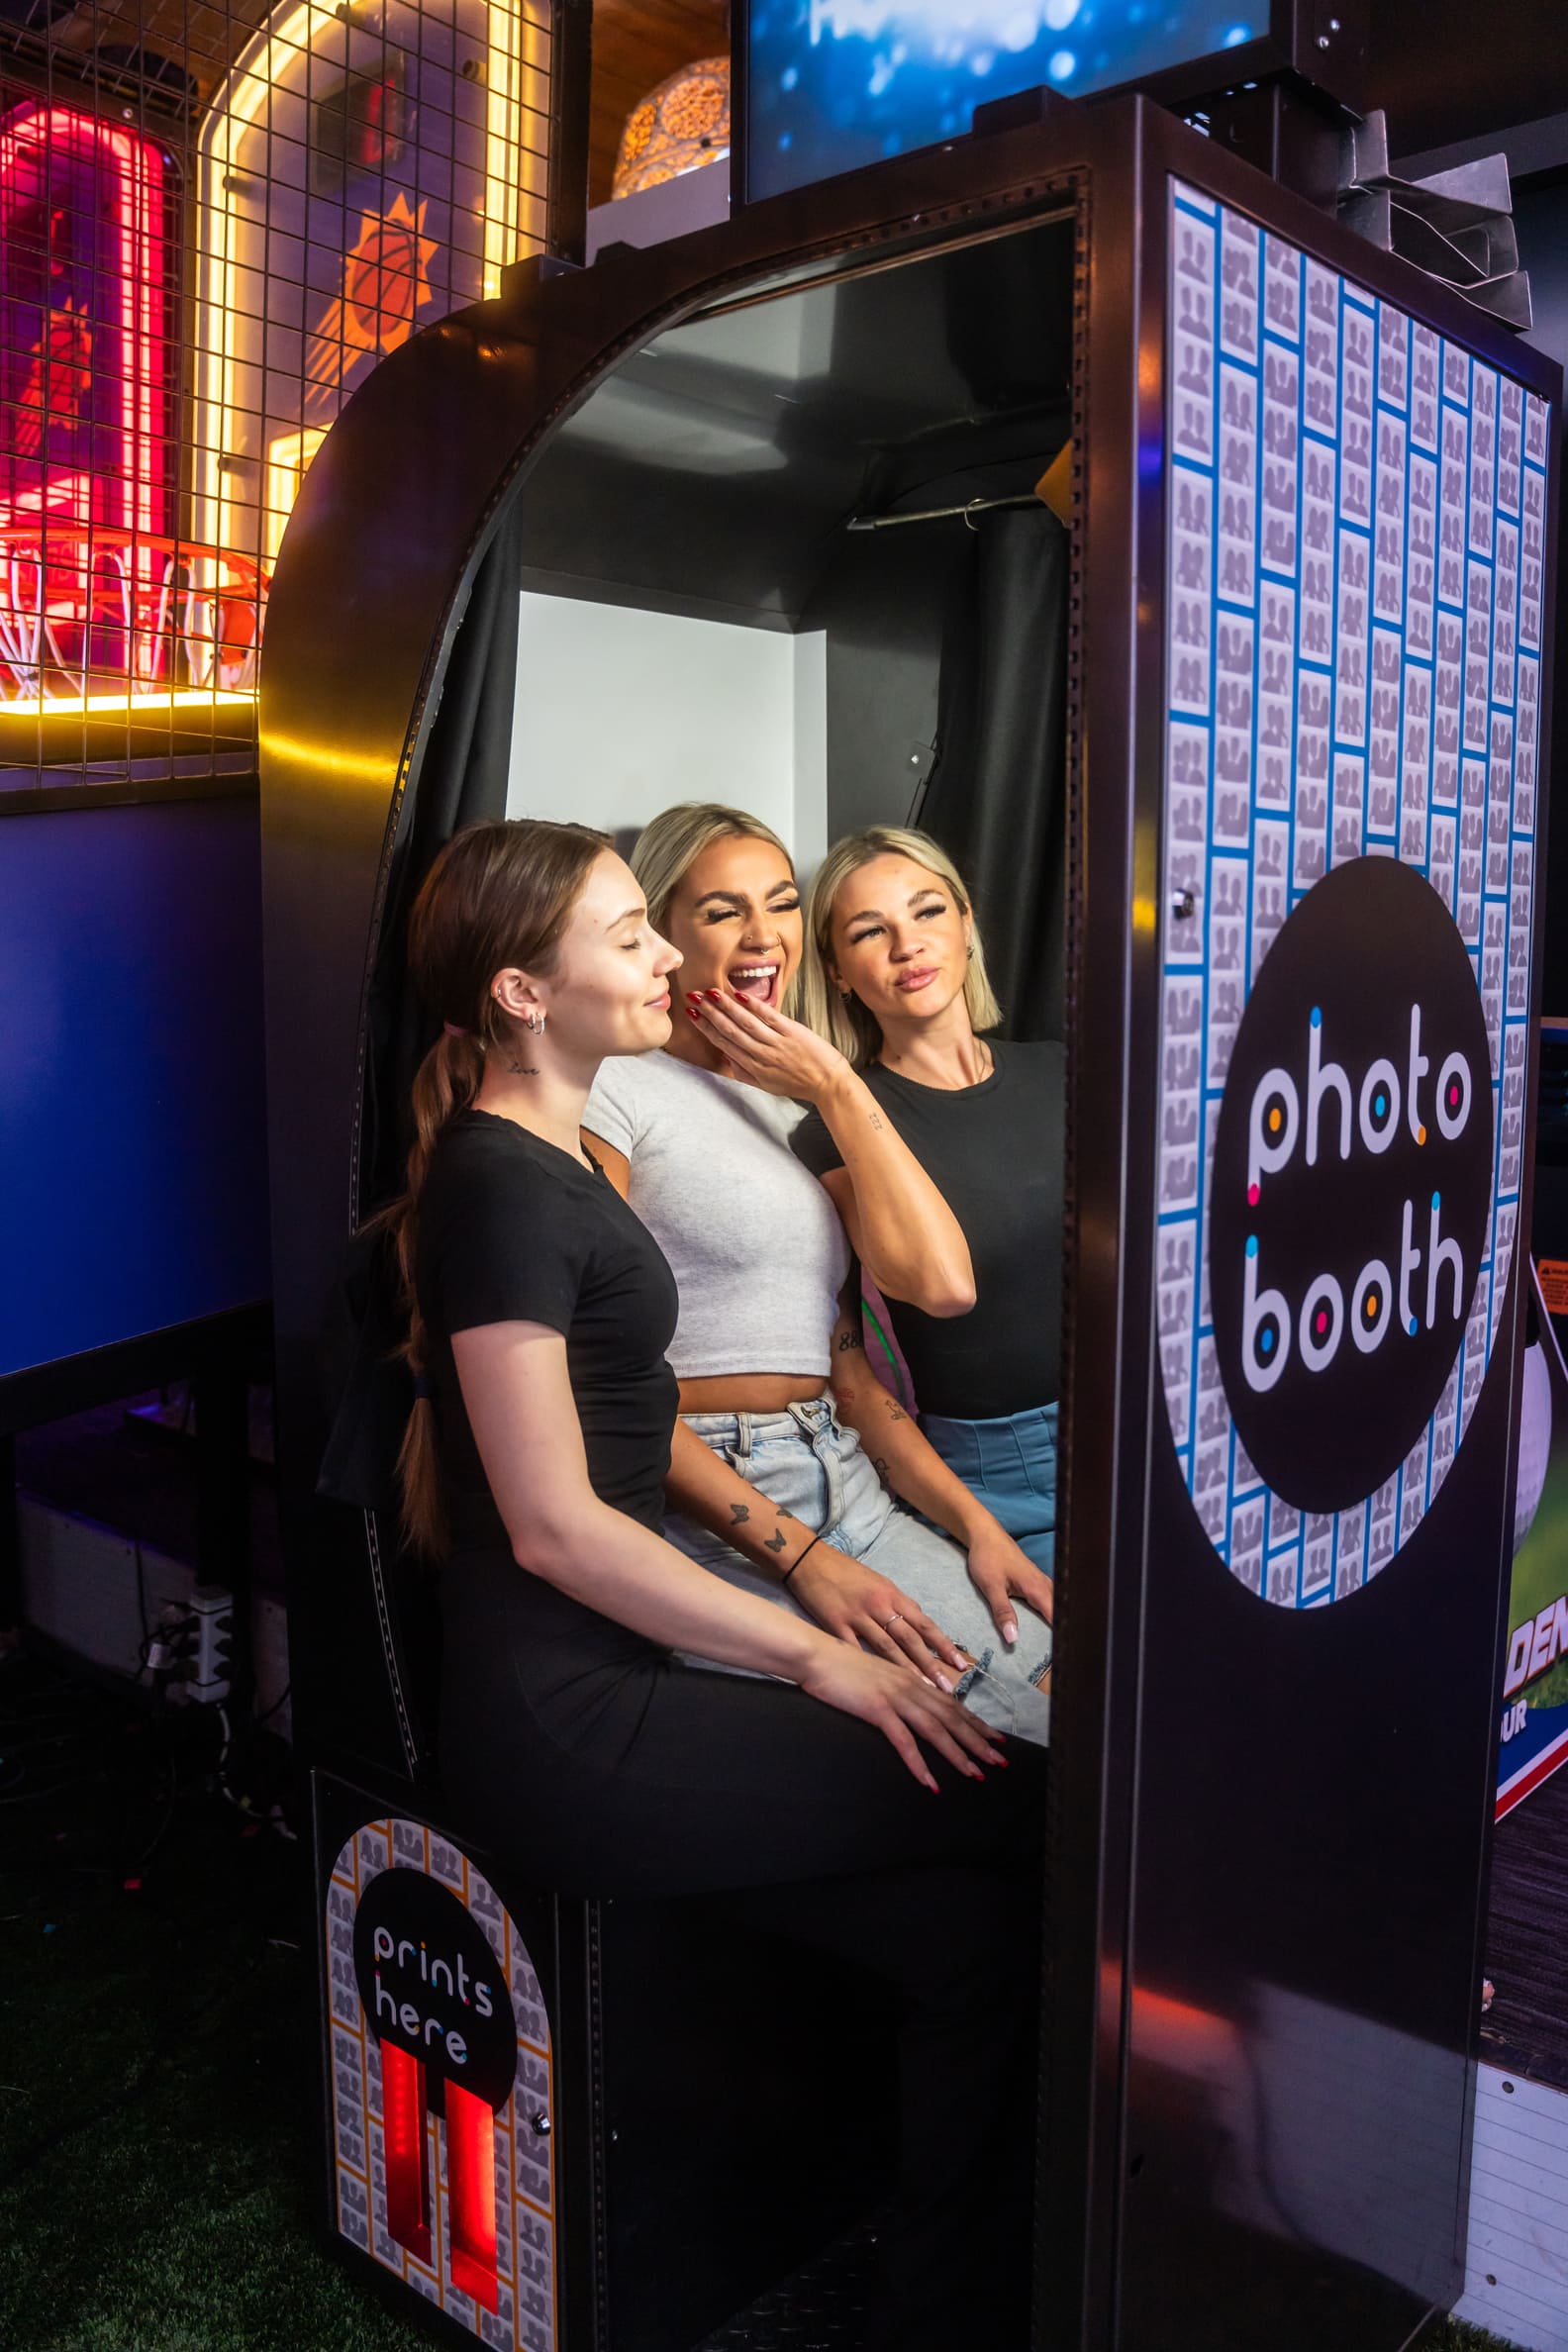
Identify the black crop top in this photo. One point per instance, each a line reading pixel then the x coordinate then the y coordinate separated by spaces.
pixel 512 1230
pixel 995 1153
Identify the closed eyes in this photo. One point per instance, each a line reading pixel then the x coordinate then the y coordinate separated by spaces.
pixel 737 914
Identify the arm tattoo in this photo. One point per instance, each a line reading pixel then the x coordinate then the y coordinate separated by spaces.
pixel 739 1512
pixel 894 1410
pixel 850 1339
pixel 774 1542
pixel 876 1121
pixel 880 1467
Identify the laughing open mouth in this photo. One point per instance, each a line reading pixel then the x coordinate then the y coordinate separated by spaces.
pixel 757 981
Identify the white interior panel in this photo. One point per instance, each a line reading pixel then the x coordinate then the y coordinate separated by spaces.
pixel 620 712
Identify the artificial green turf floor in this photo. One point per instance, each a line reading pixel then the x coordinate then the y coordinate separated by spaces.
pixel 156 2167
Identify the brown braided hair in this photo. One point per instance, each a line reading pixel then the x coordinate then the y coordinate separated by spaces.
pixel 497 897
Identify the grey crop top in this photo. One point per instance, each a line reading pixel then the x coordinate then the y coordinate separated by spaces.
pixel 757 1248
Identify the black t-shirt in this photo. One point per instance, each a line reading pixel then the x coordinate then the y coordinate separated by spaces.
pixel 995 1153
pixel 512 1230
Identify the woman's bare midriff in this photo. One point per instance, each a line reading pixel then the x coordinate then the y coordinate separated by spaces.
pixel 748 1391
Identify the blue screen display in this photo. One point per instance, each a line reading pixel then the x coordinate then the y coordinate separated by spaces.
pixel 838 83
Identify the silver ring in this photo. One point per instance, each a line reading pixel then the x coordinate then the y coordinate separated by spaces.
pixel 897 1618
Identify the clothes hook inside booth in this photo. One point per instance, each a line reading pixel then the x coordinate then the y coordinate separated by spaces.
pixel 1053 490
pixel 968 509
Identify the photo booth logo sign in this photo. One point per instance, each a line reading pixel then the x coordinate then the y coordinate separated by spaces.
pixel 1352 1184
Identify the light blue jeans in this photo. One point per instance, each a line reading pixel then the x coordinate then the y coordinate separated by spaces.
pixel 1010 1464
pixel 805 1461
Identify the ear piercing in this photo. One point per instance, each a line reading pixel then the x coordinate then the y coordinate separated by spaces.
pixel 533 1023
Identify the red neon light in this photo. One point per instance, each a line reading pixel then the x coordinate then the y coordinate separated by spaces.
pixel 470 2187
pixel 406 2151
pixel 135 494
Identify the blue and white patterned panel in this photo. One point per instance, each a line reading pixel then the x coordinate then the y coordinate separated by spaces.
pixel 1354 591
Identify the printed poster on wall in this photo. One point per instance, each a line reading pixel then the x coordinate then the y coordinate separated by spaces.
pixel 1534 1734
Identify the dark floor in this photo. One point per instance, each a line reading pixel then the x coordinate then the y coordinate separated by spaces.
pixel 1526 2027
pixel 156 2094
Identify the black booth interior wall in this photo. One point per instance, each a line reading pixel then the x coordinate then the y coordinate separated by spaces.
pixel 1268 1849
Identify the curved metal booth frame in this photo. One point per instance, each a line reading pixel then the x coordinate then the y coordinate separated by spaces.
pixel 1314 515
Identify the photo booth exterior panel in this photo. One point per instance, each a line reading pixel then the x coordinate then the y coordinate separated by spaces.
pixel 1357 517
pixel 1311 1784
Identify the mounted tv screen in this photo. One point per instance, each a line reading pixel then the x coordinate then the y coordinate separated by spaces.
pixel 833 84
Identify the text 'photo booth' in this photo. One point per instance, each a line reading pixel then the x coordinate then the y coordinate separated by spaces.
pixel 1242 760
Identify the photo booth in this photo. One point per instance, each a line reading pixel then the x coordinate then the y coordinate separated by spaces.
pixel 1243 766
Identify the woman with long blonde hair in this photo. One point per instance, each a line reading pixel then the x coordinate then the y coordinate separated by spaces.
pixel 571 1741
pixel 766 1468
pixel 894 978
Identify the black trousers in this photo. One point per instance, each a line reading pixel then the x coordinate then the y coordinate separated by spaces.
pixel 592 1761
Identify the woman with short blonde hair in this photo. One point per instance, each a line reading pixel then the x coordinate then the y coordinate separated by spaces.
pixel 896 976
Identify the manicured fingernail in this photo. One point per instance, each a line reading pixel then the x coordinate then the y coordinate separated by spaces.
pixel 1009 1632
pixel 943 1684
pixel 935 1790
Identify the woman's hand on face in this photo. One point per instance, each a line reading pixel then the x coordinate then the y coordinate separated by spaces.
pixel 857 1606
pixel 1002 1573
pixel 782 1056
pixel 904 1708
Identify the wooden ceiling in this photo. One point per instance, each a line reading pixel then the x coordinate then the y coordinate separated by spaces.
pixel 637 43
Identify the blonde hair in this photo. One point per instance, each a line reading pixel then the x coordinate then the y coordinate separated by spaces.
pixel 842 1019
pixel 669 845
pixel 498 895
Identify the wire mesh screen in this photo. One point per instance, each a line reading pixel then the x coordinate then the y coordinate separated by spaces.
pixel 214 221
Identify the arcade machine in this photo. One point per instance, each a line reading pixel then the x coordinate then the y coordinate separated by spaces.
pixel 1303 617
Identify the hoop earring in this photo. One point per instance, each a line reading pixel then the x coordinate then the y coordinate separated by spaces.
pixel 533 1023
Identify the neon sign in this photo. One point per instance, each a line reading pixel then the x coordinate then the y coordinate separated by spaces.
pixel 86 336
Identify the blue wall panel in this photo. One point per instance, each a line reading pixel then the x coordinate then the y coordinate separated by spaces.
pixel 133 1154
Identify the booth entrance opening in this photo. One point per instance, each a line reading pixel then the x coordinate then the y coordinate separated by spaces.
pixel 752 568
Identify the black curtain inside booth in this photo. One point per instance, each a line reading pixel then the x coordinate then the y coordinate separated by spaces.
pixel 464 780
pixel 997 797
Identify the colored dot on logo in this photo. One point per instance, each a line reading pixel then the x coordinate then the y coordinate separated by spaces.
pixel 1414 1326
pixel 1274 1120
pixel 1322 1322
pixel 1370 1306
pixel 1379 1104
pixel 1252 1196
pixel 1317 1016
pixel 1453 1095
pixel 1436 1200
pixel 1251 1245
pixel 1266 1343
pixel 1421 1135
